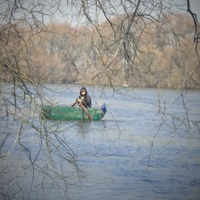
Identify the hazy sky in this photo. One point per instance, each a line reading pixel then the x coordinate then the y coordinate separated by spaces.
pixel 195 7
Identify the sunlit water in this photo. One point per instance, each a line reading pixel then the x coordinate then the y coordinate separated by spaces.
pixel 146 147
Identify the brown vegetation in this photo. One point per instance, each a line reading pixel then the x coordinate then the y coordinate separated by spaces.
pixel 154 55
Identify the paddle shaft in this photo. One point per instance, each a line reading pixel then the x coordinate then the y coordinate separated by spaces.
pixel 82 106
pixel 74 104
pixel 88 115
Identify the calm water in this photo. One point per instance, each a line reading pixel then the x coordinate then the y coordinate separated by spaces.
pixel 146 147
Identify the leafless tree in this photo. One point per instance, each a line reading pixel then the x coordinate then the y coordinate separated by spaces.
pixel 117 46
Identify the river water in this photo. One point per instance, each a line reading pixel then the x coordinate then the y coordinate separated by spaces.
pixel 146 147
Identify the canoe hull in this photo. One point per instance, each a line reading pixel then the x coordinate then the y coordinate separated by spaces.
pixel 71 113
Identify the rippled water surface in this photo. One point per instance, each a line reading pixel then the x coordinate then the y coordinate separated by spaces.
pixel 146 147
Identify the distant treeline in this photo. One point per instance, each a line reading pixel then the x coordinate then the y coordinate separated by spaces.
pixel 150 55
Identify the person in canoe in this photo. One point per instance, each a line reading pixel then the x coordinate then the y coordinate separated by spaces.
pixel 83 98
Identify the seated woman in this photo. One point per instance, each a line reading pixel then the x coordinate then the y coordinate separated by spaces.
pixel 84 98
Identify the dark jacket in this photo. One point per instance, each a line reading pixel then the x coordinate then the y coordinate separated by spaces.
pixel 86 100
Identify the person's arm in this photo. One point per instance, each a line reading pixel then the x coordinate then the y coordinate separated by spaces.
pixel 90 102
pixel 87 102
pixel 78 100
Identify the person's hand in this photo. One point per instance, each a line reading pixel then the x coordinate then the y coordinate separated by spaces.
pixel 79 100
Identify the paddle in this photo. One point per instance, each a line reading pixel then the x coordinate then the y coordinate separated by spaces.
pixel 74 104
pixel 83 107
pixel 88 115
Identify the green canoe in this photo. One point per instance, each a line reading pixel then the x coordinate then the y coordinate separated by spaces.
pixel 72 113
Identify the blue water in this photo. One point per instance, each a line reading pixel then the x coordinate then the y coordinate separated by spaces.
pixel 146 147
